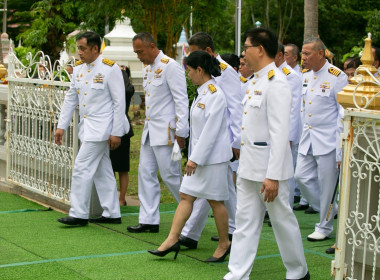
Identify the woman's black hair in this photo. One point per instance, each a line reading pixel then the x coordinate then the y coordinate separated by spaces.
pixel 202 59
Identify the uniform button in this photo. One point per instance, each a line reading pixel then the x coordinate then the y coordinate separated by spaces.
pixel 148 119
pixel 92 64
pixel 245 112
pixel 242 128
pixel 84 116
pixel 149 82
pixel 242 143
pixel 253 82
pixel 249 97
pixel 312 90
pixel 86 82
pixel 301 111
pixel 84 105
pixel 148 94
pixel 88 70
pixel 309 115
pixel 309 102
pixel 315 77
pixel 78 91
pixel 310 127
pixel 85 93
pixel 147 107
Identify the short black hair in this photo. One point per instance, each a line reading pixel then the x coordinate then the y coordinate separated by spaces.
pixel 93 39
pixel 145 37
pixel 202 40
pixel 377 53
pixel 354 63
pixel 231 59
pixel 281 48
pixel 204 60
pixel 264 37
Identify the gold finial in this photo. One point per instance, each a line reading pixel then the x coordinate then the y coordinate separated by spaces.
pixel 367 57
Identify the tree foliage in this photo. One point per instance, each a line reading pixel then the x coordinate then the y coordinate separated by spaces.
pixel 342 23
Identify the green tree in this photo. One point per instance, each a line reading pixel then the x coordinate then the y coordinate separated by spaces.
pixel 51 21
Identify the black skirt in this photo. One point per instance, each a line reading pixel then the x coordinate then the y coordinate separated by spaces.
pixel 120 156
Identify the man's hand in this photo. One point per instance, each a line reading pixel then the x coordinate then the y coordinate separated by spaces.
pixel 270 187
pixel 114 142
pixel 236 153
pixel 181 141
pixel 190 168
pixel 58 136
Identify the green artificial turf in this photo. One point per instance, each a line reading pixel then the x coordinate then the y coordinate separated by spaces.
pixel 33 245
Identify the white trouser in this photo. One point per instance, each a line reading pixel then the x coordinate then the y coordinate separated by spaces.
pixel 249 221
pixel 152 160
pixel 197 221
pixel 316 177
pixel 93 165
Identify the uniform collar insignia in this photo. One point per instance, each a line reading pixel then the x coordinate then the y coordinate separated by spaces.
pixel 243 80
pixel 223 66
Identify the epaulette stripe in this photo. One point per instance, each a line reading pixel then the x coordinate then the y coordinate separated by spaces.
pixel 223 66
pixel 305 70
pixel 286 71
pixel 334 71
pixel 212 88
pixel 79 62
pixel 108 62
pixel 243 80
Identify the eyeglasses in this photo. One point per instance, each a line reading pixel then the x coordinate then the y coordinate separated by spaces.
pixel 245 47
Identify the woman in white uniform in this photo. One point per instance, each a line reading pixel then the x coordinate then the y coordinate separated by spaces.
pixel 209 155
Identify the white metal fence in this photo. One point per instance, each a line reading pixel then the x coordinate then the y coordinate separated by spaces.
pixel 34 161
pixel 358 237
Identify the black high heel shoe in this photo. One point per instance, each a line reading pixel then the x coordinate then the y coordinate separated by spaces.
pixel 175 248
pixel 221 259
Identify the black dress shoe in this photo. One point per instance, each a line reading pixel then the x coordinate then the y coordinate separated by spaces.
pixel 175 248
pixel 72 221
pixel 187 242
pixel 143 228
pixel 330 250
pixel 216 238
pixel 300 207
pixel 306 277
pixel 310 210
pixel 105 220
pixel 221 259
pixel 297 199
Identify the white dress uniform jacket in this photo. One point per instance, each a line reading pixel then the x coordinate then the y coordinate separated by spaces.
pixel 265 153
pixel 230 83
pixel 98 89
pixel 261 157
pixel 320 109
pixel 209 140
pixel 166 101
pixel 295 84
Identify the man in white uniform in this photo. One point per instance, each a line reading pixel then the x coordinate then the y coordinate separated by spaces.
pixel 97 87
pixel 295 84
pixel 291 55
pixel 166 120
pixel 265 164
pixel 318 153
pixel 230 84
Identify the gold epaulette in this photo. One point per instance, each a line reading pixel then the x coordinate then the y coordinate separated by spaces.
pixel 334 71
pixel 305 70
pixel 286 71
pixel 79 62
pixel 270 74
pixel 108 61
pixel 223 66
pixel 212 88
pixel 165 60
pixel 243 80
